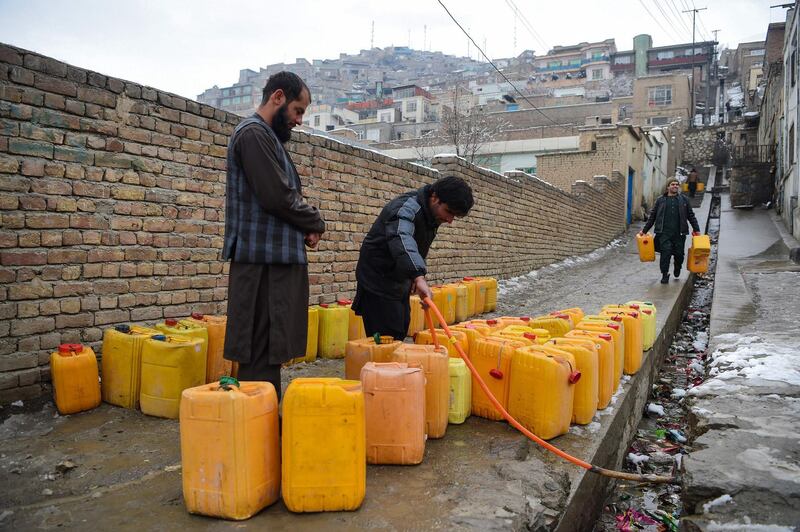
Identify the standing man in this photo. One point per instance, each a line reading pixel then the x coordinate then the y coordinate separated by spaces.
pixel 267 226
pixel 391 265
pixel 691 182
pixel 670 215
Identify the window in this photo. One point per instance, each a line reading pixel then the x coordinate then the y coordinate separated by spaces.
pixel 658 121
pixel 575 62
pixel 594 145
pixel 597 73
pixel 757 52
pixel 793 68
pixel 791 145
pixel 553 64
pixel 665 55
pixel 623 60
pixel 411 107
pixel 605 120
pixel 316 120
pixel 597 56
pixel 660 95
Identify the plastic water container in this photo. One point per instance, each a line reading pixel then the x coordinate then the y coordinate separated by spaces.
pixel 424 337
pixel 506 321
pixel 334 323
pixel 556 325
pixel 576 313
pixel 172 327
pixel 324 459
pixel 701 244
pixel 417 322
pixel 585 402
pixel 473 332
pixel 471 288
pixel 170 364
pixel 462 302
pixel 492 324
pixel 696 263
pixel 490 301
pixel 312 338
pixel 230 455
pixel 216 365
pixel 648 313
pixel 460 392
pixel 444 297
pixel 531 335
pixel 492 360
pixel 434 363
pixel 355 323
pixel 604 346
pixel 542 389
pixel 478 293
pixel 359 352
pixel 394 405
pixel 633 338
pixel 646 246
pixel 76 386
pixel 122 364
pixel 617 331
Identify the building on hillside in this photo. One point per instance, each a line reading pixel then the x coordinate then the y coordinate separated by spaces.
pixel 608 150
pixel 327 117
pixel 788 183
pixel 415 103
pixel 583 60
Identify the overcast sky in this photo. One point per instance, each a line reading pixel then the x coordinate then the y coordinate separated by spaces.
pixel 186 46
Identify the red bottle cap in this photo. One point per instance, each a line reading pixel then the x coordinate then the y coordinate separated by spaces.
pixel 605 336
pixel 323 305
pixel 197 315
pixel 529 336
pixel 614 326
pixel 344 302
pixel 574 377
pixel 634 306
pixel 496 373
pixel 616 318
pixel 491 322
pixel 169 322
pixel 525 318
pixel 469 278
pixel 70 348
pixel 647 311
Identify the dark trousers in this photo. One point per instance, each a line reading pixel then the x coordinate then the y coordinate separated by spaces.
pixel 387 317
pixel 692 188
pixel 261 370
pixel 671 246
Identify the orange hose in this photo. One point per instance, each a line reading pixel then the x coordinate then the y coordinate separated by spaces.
pixel 516 424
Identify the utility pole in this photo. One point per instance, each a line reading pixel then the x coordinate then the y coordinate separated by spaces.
pixel 694 16
pixel 372 37
pixel 718 100
pixel 424 37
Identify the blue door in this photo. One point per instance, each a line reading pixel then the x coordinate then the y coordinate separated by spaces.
pixel 629 206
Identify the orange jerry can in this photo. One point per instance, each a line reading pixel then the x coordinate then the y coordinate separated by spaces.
pixel 355 323
pixel 584 406
pixel 424 338
pixel 394 407
pixel 490 300
pixel 373 349
pixel 699 251
pixel 542 389
pixel 473 332
pixel 435 364
pixel 444 297
pixel 647 248
pixel 576 313
pixel 634 346
pixel 230 453
pixel 76 384
pixel 506 321
pixel 216 365
pixel 556 325
pixel 323 460
pixel 478 291
pixel 492 360
pixel 604 345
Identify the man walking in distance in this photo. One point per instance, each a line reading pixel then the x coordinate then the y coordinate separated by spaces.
pixel 691 182
pixel 670 215
pixel 267 226
pixel 391 264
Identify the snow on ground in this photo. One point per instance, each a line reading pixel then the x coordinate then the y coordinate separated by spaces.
pixel 739 358
pixel 719 501
pixel 508 285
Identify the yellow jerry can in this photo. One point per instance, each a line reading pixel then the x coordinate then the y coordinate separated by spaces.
pixel 355 323
pixel 617 331
pixel 478 294
pixel 648 311
pixel 170 364
pixel 696 262
pixel 417 322
pixel 492 360
pixel 604 345
pixel 586 395
pixel 188 329
pixel 460 392
pixel 324 459
pixel 542 389
pixel 334 323
pixel 490 301
pixel 76 386
pixel 646 246
pixel 122 364
pixel 462 302
pixel 556 325
pixel 373 349
pixel 434 363
pixel 424 338
pixel 230 453
pixel 444 297
pixel 216 365
pixel 633 338
pixel 473 332
pixel 576 313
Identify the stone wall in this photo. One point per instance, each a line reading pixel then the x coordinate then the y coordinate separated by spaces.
pixel 751 185
pixel 112 211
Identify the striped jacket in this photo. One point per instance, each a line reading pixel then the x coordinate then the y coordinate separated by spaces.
pixel 266 218
pixel 393 252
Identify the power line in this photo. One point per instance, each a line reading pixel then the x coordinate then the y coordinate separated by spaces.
pixel 667 19
pixel 495 66
pixel 653 17
pixel 679 17
pixel 526 23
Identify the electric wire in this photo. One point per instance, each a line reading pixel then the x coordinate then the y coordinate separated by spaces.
pixel 526 23
pixel 668 20
pixel 653 17
pixel 679 16
pixel 495 66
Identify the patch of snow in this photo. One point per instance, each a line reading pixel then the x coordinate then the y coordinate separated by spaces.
pixel 678 393
pixel 17 403
pixel 697 367
pixel 656 409
pixel 719 501
pixel 701 342
pixel 713 526
pixel 637 459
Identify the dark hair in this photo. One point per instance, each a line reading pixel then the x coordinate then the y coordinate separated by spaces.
pixel 455 193
pixel 289 82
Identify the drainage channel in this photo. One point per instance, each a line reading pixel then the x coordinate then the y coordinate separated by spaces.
pixel 661 437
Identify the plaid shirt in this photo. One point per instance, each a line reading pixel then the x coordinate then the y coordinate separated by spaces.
pixel 252 234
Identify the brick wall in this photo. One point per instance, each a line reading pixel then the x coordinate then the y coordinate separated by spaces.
pixel 112 207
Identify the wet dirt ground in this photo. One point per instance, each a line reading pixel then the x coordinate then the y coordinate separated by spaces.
pixel 113 468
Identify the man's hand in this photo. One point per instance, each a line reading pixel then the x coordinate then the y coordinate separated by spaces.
pixel 312 239
pixel 641 233
pixel 420 287
pixel 695 233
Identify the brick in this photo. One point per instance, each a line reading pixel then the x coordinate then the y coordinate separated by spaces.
pixel 27 309
pixel 55 101
pixel 32 326
pixel 23 258
pixel 11 56
pixel 127 193
pixel 8 165
pixel 74 155
pixel 97 96
pixel 47 117
pixel 51 238
pixel 66 256
pixel 58 86
pixel 71 305
pixel 35 289
pixel 47 221
pixel 71 321
pixel 92 190
pixel 49 307
pixel 87 221
pixel 30 147
pixel 113 160
pixel 30 240
pixel 18 361
pixel 159 225
pixel 105 255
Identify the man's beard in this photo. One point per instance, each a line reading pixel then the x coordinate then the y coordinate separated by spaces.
pixel 280 124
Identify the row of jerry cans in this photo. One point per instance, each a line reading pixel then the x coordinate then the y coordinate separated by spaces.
pixel 142 367
pixel 457 301
pixel 696 260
